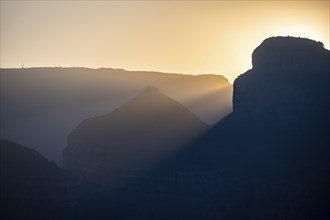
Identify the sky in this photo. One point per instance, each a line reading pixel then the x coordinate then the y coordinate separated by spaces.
pixel 191 37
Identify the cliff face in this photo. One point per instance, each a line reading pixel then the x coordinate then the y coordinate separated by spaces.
pixel 134 137
pixel 290 53
pixel 288 84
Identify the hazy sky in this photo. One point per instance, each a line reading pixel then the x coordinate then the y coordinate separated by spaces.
pixel 170 36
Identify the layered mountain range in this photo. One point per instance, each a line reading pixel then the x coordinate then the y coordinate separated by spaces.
pixel 268 159
pixel 41 106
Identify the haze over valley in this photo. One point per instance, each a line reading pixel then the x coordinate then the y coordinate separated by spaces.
pixel 41 106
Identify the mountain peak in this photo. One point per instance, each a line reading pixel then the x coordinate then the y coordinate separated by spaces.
pixel 151 89
pixel 143 132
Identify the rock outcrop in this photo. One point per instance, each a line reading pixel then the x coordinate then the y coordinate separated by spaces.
pixel 288 84
pixel 131 139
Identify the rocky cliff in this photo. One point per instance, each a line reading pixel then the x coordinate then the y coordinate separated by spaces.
pixel 288 84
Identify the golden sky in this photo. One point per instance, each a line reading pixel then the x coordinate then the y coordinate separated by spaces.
pixel 194 37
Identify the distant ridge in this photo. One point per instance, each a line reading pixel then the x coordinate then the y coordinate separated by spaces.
pixel 41 106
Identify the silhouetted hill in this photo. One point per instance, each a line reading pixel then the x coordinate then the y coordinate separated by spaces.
pixel 269 159
pixel 133 138
pixel 32 187
pixel 41 106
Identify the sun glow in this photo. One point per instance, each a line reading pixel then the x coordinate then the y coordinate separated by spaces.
pixel 192 37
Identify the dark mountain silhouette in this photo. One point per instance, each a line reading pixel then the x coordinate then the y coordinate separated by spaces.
pixel 269 159
pixel 41 106
pixel 32 187
pixel 133 138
